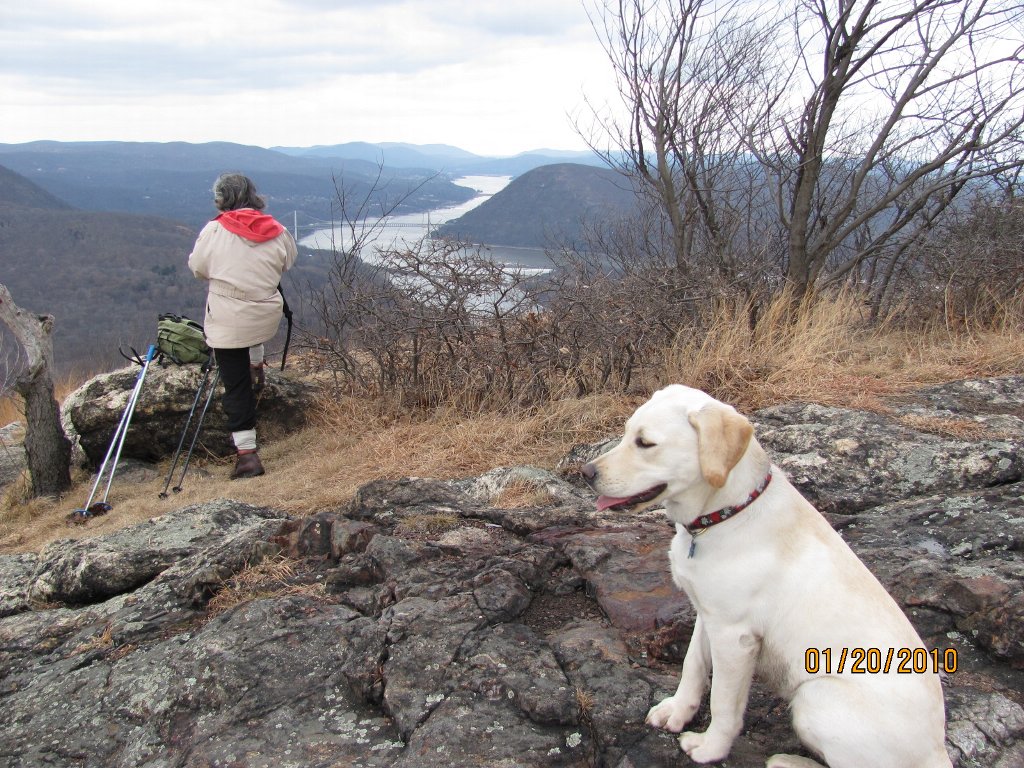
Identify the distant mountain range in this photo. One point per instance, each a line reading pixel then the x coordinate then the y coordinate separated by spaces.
pixel 173 180
pixel 442 157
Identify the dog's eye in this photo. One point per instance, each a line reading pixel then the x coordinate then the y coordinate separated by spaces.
pixel 641 443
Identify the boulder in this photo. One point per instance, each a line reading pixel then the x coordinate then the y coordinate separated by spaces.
pixel 433 623
pixel 92 413
pixel 89 571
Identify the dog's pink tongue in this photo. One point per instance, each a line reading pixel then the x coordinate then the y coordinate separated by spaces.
pixel 604 502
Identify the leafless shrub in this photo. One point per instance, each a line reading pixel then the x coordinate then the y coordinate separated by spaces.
pixel 441 322
pixel 610 317
pixel 430 323
pixel 976 262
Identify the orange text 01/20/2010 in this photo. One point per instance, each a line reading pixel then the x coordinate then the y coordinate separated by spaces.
pixel 873 661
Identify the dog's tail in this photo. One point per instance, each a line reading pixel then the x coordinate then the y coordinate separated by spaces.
pixel 791 761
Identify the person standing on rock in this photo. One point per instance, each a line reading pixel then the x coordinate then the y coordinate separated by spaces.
pixel 242 253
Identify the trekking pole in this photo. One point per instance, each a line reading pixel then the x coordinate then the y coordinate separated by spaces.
pixel 116 442
pixel 207 367
pixel 195 435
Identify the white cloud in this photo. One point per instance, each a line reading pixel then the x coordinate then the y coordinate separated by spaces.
pixel 493 76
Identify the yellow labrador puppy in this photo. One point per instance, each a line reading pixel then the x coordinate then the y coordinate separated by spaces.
pixel 776 590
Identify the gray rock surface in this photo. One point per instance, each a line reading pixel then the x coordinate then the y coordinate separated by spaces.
pixel 848 461
pixel 92 412
pixel 424 625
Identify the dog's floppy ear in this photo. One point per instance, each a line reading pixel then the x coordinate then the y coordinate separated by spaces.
pixel 722 438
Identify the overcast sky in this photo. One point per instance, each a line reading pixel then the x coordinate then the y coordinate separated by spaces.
pixel 495 77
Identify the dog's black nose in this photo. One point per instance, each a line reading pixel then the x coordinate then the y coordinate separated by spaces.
pixel 589 472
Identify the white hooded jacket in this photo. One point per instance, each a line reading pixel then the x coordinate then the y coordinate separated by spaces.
pixel 244 307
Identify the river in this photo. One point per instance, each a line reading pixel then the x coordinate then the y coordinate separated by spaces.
pixel 409 229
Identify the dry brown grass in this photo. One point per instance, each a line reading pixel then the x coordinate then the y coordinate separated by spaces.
pixel 829 354
pixel 271 577
pixel 12 408
pixel 519 494
pixel 429 525
pixel 960 429
pixel 322 466
pixel 103 640
pixel 585 700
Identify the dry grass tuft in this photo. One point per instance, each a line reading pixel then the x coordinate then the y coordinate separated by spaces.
pixel 960 429
pixel 271 577
pixel 103 640
pixel 428 526
pixel 521 494
pixel 16 500
pixel 585 700
pixel 830 352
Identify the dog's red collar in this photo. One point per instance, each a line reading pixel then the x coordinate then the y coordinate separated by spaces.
pixel 700 524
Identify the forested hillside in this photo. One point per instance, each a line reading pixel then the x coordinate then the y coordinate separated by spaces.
pixel 16 190
pixel 550 204
pixel 103 276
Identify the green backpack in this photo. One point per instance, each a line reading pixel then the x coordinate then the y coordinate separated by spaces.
pixel 182 340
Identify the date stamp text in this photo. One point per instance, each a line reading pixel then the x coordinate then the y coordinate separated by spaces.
pixel 874 661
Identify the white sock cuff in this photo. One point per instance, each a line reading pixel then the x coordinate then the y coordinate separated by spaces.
pixel 245 440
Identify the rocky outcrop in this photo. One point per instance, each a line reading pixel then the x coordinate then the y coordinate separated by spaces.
pixel 427 623
pixel 91 414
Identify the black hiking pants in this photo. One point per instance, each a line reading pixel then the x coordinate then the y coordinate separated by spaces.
pixel 239 402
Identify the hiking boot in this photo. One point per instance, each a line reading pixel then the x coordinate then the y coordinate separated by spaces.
pixel 259 378
pixel 248 464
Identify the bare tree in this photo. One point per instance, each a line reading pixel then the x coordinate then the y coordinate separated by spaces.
pixel 905 104
pixel 47 448
pixel 685 69
pixel 859 126
pixel 338 303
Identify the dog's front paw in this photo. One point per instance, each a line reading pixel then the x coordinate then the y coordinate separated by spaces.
pixel 704 749
pixel 671 714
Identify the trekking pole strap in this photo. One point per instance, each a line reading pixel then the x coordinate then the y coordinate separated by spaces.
pixel 135 357
pixel 288 316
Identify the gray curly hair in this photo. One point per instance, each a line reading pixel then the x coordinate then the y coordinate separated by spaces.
pixel 232 191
